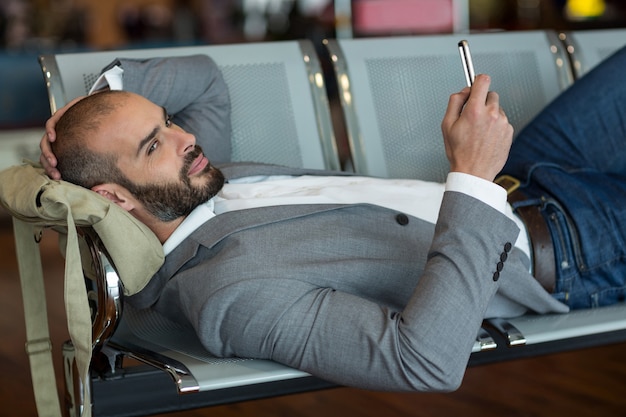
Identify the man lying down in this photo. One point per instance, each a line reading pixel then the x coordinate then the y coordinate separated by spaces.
pixel 365 282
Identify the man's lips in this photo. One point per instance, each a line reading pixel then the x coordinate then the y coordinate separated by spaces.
pixel 198 165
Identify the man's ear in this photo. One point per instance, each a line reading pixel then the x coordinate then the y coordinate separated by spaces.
pixel 117 194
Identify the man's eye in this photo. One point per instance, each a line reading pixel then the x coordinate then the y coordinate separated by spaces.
pixel 153 147
pixel 168 121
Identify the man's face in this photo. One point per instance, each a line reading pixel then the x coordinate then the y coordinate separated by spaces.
pixel 170 201
pixel 166 171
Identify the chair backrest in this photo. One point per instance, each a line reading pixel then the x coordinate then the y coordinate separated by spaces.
pixel 587 48
pixel 280 112
pixel 394 92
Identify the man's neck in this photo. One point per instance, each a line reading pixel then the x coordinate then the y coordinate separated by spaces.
pixel 162 230
pixel 166 231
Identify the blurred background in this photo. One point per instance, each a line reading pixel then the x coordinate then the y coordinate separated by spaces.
pixel 32 25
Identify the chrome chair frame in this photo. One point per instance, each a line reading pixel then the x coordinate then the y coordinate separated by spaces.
pixel 587 48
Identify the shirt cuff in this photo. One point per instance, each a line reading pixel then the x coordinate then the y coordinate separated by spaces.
pixel 111 78
pixel 486 191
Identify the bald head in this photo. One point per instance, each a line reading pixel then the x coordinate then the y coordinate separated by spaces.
pixel 77 161
pixel 126 148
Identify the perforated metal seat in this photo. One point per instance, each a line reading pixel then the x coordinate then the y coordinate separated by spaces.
pixel 394 92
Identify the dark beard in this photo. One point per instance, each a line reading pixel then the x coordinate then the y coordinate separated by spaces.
pixel 168 202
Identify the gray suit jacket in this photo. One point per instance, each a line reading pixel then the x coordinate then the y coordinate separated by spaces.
pixel 356 294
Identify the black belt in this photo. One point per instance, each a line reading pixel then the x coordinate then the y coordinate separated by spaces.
pixel 541 245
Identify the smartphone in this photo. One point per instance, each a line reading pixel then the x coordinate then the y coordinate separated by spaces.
pixel 466 60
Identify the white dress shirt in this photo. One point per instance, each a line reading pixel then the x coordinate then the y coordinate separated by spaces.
pixel 420 199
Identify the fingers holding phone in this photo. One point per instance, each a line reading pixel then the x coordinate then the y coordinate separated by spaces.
pixel 477 133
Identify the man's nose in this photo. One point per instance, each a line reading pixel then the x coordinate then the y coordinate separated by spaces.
pixel 185 142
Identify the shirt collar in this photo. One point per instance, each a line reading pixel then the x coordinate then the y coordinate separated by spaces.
pixel 197 217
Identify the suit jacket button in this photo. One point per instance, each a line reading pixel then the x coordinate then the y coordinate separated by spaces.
pixel 504 256
pixel 496 276
pixel 499 266
pixel 402 219
pixel 508 247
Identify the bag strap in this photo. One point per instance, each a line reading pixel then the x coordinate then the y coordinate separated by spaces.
pixel 35 312
pixel 38 345
pixel 78 313
pixel 36 202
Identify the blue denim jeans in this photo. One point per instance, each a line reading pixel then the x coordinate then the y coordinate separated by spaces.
pixel 572 161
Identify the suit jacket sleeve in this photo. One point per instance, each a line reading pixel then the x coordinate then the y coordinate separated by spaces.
pixel 355 341
pixel 192 90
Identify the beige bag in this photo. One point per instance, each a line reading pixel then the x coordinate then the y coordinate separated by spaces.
pixel 37 202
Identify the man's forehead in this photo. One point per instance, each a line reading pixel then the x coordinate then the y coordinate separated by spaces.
pixel 134 119
pixel 132 110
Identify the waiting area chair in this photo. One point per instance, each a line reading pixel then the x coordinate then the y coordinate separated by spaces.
pixel 394 92
pixel 276 90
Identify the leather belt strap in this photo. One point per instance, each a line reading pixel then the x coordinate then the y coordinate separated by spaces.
pixel 541 245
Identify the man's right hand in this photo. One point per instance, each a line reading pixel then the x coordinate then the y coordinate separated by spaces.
pixel 47 159
pixel 476 131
